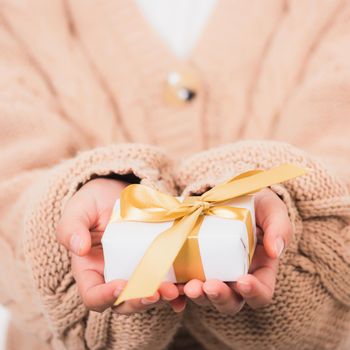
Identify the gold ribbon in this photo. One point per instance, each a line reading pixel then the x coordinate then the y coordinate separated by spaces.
pixel 188 263
pixel 141 203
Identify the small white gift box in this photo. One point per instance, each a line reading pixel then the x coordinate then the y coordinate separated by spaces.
pixel 223 244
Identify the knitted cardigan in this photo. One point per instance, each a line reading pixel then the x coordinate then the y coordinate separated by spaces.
pixel 82 96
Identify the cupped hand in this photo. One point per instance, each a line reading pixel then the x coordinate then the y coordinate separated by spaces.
pixel 80 230
pixel 274 231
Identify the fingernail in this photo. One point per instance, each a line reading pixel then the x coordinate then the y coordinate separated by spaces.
pixel 279 246
pixel 148 301
pixel 182 308
pixel 211 293
pixel 245 287
pixel 117 291
pixel 76 244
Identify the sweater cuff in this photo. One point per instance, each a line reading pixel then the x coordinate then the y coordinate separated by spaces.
pixel 49 262
pixel 318 204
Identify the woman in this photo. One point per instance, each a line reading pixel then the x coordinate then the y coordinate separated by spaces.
pixel 85 82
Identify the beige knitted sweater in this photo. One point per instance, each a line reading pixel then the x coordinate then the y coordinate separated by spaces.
pixel 81 96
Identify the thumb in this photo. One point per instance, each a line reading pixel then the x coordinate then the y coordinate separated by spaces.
pixel 73 228
pixel 272 217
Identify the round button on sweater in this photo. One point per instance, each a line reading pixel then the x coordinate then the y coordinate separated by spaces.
pixel 181 87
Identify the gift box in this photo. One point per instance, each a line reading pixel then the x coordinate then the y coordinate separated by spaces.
pixel 154 237
pixel 220 248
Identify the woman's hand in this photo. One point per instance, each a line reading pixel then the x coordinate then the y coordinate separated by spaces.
pixel 80 230
pixel 256 288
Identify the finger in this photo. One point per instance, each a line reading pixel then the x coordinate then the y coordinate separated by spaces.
pixel 272 217
pixel 179 304
pixel 222 297
pixel 137 305
pixel 259 236
pixel 168 291
pixel 257 289
pixel 95 293
pixel 194 291
pixel 73 227
pixel 180 287
pixel 262 260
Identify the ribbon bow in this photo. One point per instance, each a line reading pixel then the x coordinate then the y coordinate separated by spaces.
pixel 142 203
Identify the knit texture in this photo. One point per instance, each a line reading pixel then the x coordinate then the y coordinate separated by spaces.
pixel 311 305
pixel 72 326
pixel 82 85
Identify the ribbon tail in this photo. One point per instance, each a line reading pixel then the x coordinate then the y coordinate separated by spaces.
pixel 252 181
pixel 158 259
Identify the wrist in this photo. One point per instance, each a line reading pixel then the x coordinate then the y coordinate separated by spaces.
pixel 116 184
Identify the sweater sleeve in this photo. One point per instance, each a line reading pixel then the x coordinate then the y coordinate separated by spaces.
pixel 42 165
pixel 49 263
pixel 315 118
pixel 311 306
pixel 313 282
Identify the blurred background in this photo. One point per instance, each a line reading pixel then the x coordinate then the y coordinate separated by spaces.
pixel 4 316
